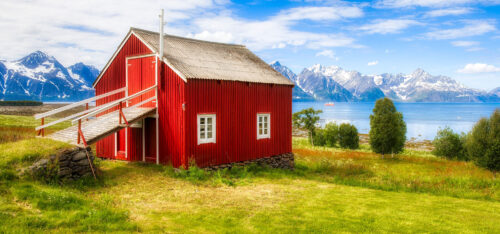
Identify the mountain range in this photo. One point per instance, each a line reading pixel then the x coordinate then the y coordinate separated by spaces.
pixel 41 77
pixel 332 83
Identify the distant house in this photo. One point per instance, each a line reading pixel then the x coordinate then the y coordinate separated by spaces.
pixel 216 103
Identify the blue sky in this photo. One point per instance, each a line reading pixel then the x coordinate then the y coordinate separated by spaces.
pixel 456 38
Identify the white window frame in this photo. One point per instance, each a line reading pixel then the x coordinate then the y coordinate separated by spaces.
pixel 214 129
pixel 268 135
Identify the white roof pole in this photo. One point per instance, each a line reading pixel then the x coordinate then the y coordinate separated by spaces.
pixel 162 23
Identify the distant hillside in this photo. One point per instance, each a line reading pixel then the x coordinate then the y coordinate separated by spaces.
pixel 332 83
pixel 41 77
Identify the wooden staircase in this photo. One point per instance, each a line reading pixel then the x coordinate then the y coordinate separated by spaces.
pixel 91 125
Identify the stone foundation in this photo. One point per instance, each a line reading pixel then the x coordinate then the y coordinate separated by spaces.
pixel 70 164
pixel 282 161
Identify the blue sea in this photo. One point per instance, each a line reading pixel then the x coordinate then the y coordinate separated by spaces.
pixel 422 119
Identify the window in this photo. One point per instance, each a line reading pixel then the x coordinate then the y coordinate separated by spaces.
pixel 206 129
pixel 263 126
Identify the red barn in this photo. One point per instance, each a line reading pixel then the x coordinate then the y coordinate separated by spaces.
pixel 216 103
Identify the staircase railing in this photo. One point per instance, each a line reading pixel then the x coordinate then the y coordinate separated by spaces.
pixel 108 106
pixel 42 116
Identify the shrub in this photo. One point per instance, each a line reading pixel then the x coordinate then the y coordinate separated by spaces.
pixel 319 137
pixel 387 128
pixel 331 134
pixel 483 142
pixel 449 145
pixel 348 136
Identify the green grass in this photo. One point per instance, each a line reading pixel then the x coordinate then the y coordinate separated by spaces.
pixel 15 127
pixel 331 190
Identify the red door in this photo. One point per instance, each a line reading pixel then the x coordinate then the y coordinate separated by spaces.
pixel 120 144
pixel 140 76
pixel 150 139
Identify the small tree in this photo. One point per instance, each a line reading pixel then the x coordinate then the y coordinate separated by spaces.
pixel 331 133
pixel 387 128
pixel 348 136
pixel 306 119
pixel 483 142
pixel 448 144
pixel 319 137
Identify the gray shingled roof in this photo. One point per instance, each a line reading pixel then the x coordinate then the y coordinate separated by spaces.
pixel 196 59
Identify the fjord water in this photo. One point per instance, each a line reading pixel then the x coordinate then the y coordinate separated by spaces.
pixel 422 119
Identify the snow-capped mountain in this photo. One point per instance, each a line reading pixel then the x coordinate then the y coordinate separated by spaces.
pixel 362 88
pixel 336 84
pixel 322 87
pixel 495 91
pixel 39 76
pixel 298 94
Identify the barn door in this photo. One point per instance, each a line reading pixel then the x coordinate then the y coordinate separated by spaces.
pixel 121 144
pixel 150 139
pixel 140 76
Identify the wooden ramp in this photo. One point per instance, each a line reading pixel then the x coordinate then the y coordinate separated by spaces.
pixel 102 126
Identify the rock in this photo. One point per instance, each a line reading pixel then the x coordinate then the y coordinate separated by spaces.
pixel 83 162
pixel 72 164
pixel 283 161
pixel 64 172
pixel 79 156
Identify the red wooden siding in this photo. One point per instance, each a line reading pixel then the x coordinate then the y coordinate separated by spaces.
pixel 236 105
pixel 114 78
pixel 171 118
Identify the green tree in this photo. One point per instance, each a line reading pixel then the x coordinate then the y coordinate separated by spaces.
pixel 387 128
pixel 448 144
pixel 331 133
pixel 319 137
pixel 306 119
pixel 483 142
pixel 348 136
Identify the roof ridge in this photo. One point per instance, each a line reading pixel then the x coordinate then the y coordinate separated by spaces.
pixel 187 38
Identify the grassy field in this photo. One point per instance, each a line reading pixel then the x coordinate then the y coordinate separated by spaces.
pixel 15 127
pixel 331 190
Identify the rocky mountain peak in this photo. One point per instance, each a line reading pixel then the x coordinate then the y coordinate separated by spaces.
pixel 35 59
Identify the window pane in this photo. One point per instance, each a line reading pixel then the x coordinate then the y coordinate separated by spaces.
pixel 202 135
pixel 265 124
pixel 209 120
pixel 209 135
pixel 209 127
pixel 202 121
pixel 265 119
pixel 265 131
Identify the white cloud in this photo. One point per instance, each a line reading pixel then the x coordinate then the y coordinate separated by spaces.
pixel 478 68
pixel 471 28
pixel 319 13
pixel 448 11
pixel 388 26
pixel 373 63
pixel 464 43
pixel 275 32
pixel 429 3
pixel 87 31
pixel 328 53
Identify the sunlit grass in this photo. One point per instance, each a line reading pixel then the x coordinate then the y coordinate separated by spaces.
pixel 412 171
pixel 330 190
pixel 14 127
